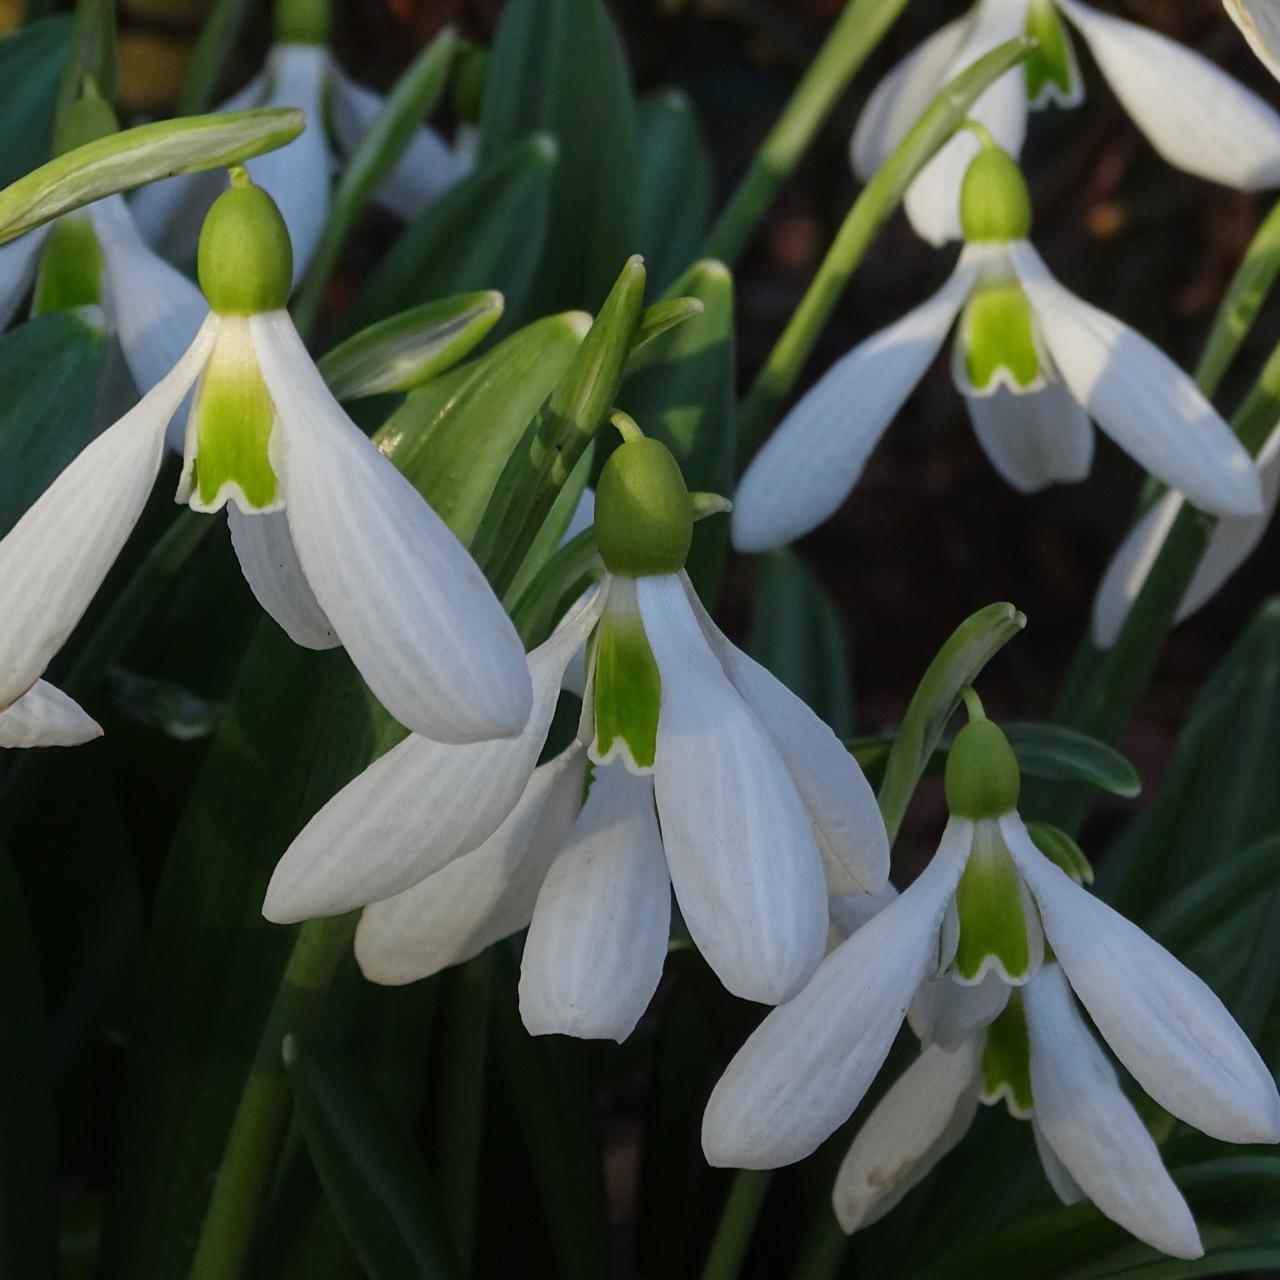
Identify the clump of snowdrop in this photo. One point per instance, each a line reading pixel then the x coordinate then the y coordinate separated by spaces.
pixel 334 542
pixel 993 944
pixel 694 769
pixel 1197 117
pixel 1036 366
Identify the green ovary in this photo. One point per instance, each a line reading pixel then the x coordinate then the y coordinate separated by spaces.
pixel 998 337
pixel 70 272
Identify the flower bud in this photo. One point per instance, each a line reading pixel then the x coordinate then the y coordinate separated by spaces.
pixel 644 514
pixel 994 204
pixel 85 120
pixel 982 779
pixel 245 263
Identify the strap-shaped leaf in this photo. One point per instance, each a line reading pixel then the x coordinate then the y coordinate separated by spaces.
pixel 1059 754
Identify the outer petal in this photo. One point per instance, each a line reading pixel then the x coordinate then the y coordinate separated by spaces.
pixel 1139 397
pixel 1040 438
pixel 1197 117
pixel 746 871
pixel 598 939
pixel 18 261
pixel 805 1068
pixel 808 466
pixel 412 608
pixel 480 897
pixel 850 912
pixel 946 1014
pixel 923 1116
pixel 1260 22
pixel 271 567
pixel 1230 545
pixel 933 200
pixel 46 717
pixel 418 807
pixel 1170 1031
pixel 899 99
pixel 425 169
pixel 1064 1185
pixel 54 559
pixel 1093 1129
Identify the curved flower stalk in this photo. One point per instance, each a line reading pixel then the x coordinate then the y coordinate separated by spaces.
pixel 334 542
pixel 1260 22
pixel 299 176
pixel 707 775
pixel 990 913
pixel 45 717
pixel 1231 544
pixel 1197 117
pixel 1036 366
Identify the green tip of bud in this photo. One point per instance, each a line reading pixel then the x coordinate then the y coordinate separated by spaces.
pixel 85 120
pixel 983 779
pixel 245 262
pixel 1062 850
pixel 302 22
pixel 644 514
pixel 994 204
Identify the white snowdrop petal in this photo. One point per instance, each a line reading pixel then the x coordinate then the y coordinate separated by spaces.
pixel 924 1115
pixel 898 100
pixel 1064 1185
pixel 1084 1117
pixel 804 1070
pixel 598 939
pixel 746 870
pixel 1035 439
pixel 425 168
pixel 18 261
pixel 46 717
pixel 418 807
pixel 850 912
pixel 1197 117
pixel 946 1013
pixel 55 558
pixel 1139 397
pixel 481 897
pixel 810 463
pixel 1170 1031
pixel 409 604
pixel 270 565
pixel 1260 22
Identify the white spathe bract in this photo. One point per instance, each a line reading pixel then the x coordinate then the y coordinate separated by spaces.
pixel 299 176
pixel 387 577
pixel 1260 22
pixel 1092 367
pixel 1197 117
pixel 45 717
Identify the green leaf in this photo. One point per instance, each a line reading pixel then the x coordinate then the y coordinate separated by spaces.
pixel 796 632
pixel 1058 754
pixel 557 67
pixel 31 68
pixel 675 185
pixel 136 156
pixel 223 23
pixel 483 233
pixel 374 1179
pixel 958 663
pixel 680 388
pixel 404 351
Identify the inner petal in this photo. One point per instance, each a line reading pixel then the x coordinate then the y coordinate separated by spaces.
pixel 1051 69
pixel 997 344
pixel 626 689
pixel 998 930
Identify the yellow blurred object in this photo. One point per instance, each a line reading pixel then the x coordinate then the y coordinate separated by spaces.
pixel 152 67
pixel 1106 219
pixel 10 16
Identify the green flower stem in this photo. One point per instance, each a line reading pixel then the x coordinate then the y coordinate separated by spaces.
pixel 822 1252
pixel 1103 687
pixel 217 40
pixel 873 207
pixel 852 40
pixel 737 1224
pixel 250 1159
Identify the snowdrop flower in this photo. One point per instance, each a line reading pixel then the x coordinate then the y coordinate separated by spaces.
pixel 1260 22
pixel 986 906
pixel 1034 363
pixel 1230 545
pixel 1197 117
pixel 301 72
pixel 709 775
pixel 334 542
pixel 45 717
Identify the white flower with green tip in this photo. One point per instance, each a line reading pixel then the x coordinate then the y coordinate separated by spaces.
pixel 45 717
pixel 991 902
pixel 336 544
pixel 1260 22
pixel 1036 366
pixel 728 788
pixel 1197 117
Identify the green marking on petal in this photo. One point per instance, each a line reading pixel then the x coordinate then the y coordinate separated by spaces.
pixel 990 906
pixel 626 687
pixel 1006 1061
pixel 232 419
pixel 1051 70
pixel 998 338
pixel 70 272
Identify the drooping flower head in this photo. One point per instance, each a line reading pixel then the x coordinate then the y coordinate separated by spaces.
pixel 1036 366
pixel 694 769
pixel 334 542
